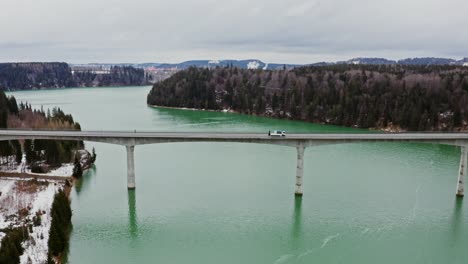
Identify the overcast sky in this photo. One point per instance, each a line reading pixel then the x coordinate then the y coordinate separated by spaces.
pixel 284 31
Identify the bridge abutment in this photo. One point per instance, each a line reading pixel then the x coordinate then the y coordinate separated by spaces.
pixel 130 167
pixel 462 172
pixel 299 169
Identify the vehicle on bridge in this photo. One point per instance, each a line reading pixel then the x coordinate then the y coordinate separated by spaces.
pixel 277 133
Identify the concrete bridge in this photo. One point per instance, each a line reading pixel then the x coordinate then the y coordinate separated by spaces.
pixel 130 139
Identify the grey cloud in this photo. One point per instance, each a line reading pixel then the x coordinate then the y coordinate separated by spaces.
pixel 296 31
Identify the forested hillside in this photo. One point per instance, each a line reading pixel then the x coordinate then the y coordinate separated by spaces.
pixel 397 97
pixel 23 76
pixel 36 75
pixel 118 76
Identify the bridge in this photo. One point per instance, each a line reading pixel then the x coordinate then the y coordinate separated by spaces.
pixel 130 139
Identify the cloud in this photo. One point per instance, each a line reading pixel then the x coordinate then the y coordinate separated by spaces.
pixel 295 31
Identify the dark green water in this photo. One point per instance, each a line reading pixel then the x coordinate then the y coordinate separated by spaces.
pixel 234 203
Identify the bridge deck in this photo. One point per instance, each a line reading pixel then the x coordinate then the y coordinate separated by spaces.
pixel 219 135
pixel 299 141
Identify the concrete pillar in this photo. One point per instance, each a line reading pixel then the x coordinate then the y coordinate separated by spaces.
pixel 130 167
pixel 300 168
pixel 462 172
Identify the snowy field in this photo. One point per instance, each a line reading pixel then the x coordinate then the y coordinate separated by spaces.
pixel 31 199
pixel 8 164
pixel 66 170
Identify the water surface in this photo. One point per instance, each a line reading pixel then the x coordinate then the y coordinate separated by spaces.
pixel 234 203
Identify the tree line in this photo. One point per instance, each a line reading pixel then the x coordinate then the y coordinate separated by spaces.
pixel 60 227
pixel 25 76
pixel 39 153
pixel 118 76
pixel 10 247
pixel 402 97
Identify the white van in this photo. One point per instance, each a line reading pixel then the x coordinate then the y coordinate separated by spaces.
pixel 277 133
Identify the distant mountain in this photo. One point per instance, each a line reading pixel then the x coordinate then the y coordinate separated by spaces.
pixel 408 61
pixel 428 61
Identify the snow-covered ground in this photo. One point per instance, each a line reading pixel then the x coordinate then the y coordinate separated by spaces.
pixel 65 170
pixel 33 199
pixel 35 248
pixel 6 202
pixel 9 164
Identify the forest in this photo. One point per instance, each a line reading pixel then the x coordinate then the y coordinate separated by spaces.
pixel 390 97
pixel 118 76
pixel 40 154
pixel 37 75
pixel 59 233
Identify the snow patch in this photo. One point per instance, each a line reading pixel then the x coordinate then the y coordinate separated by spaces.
pixel 8 164
pixel 5 187
pixel 253 65
pixel 36 199
pixel 214 62
pixel 465 64
pixel 65 170
pixel 35 248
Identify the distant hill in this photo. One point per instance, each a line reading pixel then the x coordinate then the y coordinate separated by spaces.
pixel 390 97
pixel 374 61
pixel 37 75
pixel 258 64
pixel 243 64
pixel 24 76
pixel 408 61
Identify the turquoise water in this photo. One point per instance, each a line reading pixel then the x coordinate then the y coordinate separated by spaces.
pixel 234 203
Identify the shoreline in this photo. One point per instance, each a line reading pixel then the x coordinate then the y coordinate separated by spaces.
pixel 194 109
pixel 391 128
pixel 71 87
pixel 388 129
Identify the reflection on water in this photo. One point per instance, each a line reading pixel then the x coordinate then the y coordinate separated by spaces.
pixel 361 193
pixel 219 121
pixel 456 220
pixel 85 181
pixel 297 220
pixel 132 215
pixel 456 229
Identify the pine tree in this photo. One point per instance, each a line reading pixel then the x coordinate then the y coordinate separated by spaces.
pixel 93 156
pixel 77 169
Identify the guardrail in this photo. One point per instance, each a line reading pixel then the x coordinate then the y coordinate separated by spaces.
pixel 234 132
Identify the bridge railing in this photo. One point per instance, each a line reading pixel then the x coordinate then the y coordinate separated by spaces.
pixel 234 132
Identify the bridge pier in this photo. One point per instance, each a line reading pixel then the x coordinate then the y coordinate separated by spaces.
pixel 299 168
pixel 462 172
pixel 130 167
